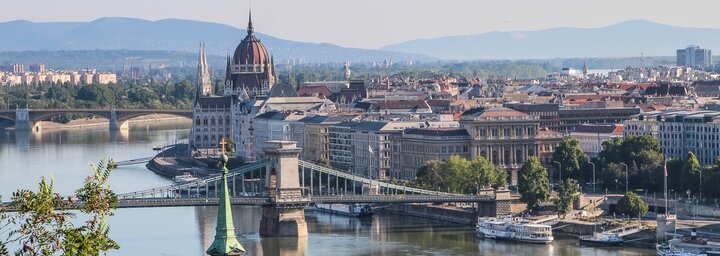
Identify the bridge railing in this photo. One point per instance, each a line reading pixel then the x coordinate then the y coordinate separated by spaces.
pixel 166 191
pixel 193 184
pixel 305 164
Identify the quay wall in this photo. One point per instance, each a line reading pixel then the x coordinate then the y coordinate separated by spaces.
pixel 459 216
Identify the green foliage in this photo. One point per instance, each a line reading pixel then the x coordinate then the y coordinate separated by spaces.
pixel 641 154
pixel 631 204
pixel 44 224
pixel 179 95
pixel 459 175
pixel 571 156
pixel 567 194
pixel 533 184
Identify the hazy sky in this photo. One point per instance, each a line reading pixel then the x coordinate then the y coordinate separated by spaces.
pixel 374 23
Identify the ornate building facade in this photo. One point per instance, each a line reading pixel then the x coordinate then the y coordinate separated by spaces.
pixel 211 114
pixel 507 137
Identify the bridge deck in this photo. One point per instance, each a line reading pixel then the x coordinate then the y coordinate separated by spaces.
pixel 259 201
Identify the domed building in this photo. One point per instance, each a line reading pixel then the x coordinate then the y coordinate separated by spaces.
pixel 250 69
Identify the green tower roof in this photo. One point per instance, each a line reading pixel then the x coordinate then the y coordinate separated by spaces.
pixel 225 242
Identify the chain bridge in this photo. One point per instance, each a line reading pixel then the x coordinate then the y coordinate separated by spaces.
pixel 27 119
pixel 320 185
pixel 283 186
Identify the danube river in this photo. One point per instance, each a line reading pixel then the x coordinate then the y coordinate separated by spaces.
pixel 64 155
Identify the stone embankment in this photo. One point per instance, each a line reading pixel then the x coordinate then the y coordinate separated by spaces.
pixel 435 212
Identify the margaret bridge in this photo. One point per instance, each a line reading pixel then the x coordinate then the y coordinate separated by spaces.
pixel 28 119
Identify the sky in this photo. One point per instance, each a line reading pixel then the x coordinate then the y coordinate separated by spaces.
pixel 374 23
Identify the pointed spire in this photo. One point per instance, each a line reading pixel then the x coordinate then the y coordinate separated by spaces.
pixel 204 82
pixel 250 28
pixel 225 242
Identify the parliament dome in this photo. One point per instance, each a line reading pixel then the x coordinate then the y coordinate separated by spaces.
pixel 251 51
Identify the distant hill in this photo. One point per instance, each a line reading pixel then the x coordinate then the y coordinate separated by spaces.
pixel 620 40
pixel 171 35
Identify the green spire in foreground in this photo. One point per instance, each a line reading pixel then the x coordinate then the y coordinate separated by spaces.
pixel 225 241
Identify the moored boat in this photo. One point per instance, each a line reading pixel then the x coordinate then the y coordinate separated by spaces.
pixel 354 210
pixel 602 239
pixel 185 178
pixel 515 229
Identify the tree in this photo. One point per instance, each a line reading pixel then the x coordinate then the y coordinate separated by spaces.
pixel 687 177
pixel 533 184
pixel 641 153
pixel 459 175
pixel 428 176
pixel 567 194
pixel 43 220
pixel 570 156
pixel 631 204
pixel 485 174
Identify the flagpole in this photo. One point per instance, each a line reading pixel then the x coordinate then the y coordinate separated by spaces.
pixel 666 190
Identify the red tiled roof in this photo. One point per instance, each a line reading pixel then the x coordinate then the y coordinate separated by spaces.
pixel 600 128
pixel 312 90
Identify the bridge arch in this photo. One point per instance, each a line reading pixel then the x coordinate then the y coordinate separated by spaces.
pixel 43 115
pixel 5 118
pixel 123 116
pixel 117 118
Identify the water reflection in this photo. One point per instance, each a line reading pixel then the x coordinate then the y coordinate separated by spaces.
pixel 119 136
pixel 64 154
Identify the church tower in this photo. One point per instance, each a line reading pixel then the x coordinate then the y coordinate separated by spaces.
pixel 347 71
pixel 204 83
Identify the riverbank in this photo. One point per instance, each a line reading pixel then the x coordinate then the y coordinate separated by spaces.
pixel 174 161
pixel 434 212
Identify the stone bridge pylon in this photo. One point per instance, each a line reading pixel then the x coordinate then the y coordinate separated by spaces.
pixel 285 216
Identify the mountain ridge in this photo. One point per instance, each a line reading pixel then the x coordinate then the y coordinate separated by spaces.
pixel 120 33
pixel 628 38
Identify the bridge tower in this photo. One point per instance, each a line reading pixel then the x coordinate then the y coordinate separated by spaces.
pixel 116 125
pixel 22 120
pixel 285 216
pixel 225 242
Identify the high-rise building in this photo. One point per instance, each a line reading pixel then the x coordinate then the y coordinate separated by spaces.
pixel 694 56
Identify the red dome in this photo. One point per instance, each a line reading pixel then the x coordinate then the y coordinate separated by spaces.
pixel 251 51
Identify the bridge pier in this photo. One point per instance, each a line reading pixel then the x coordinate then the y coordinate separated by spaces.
pixel 115 124
pixel 285 216
pixel 22 120
pixel 501 206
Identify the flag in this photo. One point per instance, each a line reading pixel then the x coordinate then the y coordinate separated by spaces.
pixel 665 168
pixel 370 149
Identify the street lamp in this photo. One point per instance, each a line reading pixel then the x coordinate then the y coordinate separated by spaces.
pixel 593 165
pixel 700 171
pixel 559 170
pixel 626 177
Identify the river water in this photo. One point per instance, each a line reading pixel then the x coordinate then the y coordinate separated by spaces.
pixel 64 155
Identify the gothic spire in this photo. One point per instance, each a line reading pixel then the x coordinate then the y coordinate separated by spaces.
pixel 250 28
pixel 225 242
pixel 204 82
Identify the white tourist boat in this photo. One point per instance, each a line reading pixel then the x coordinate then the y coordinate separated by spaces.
pixel 670 250
pixel 355 210
pixel 516 229
pixel 185 178
pixel 602 239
